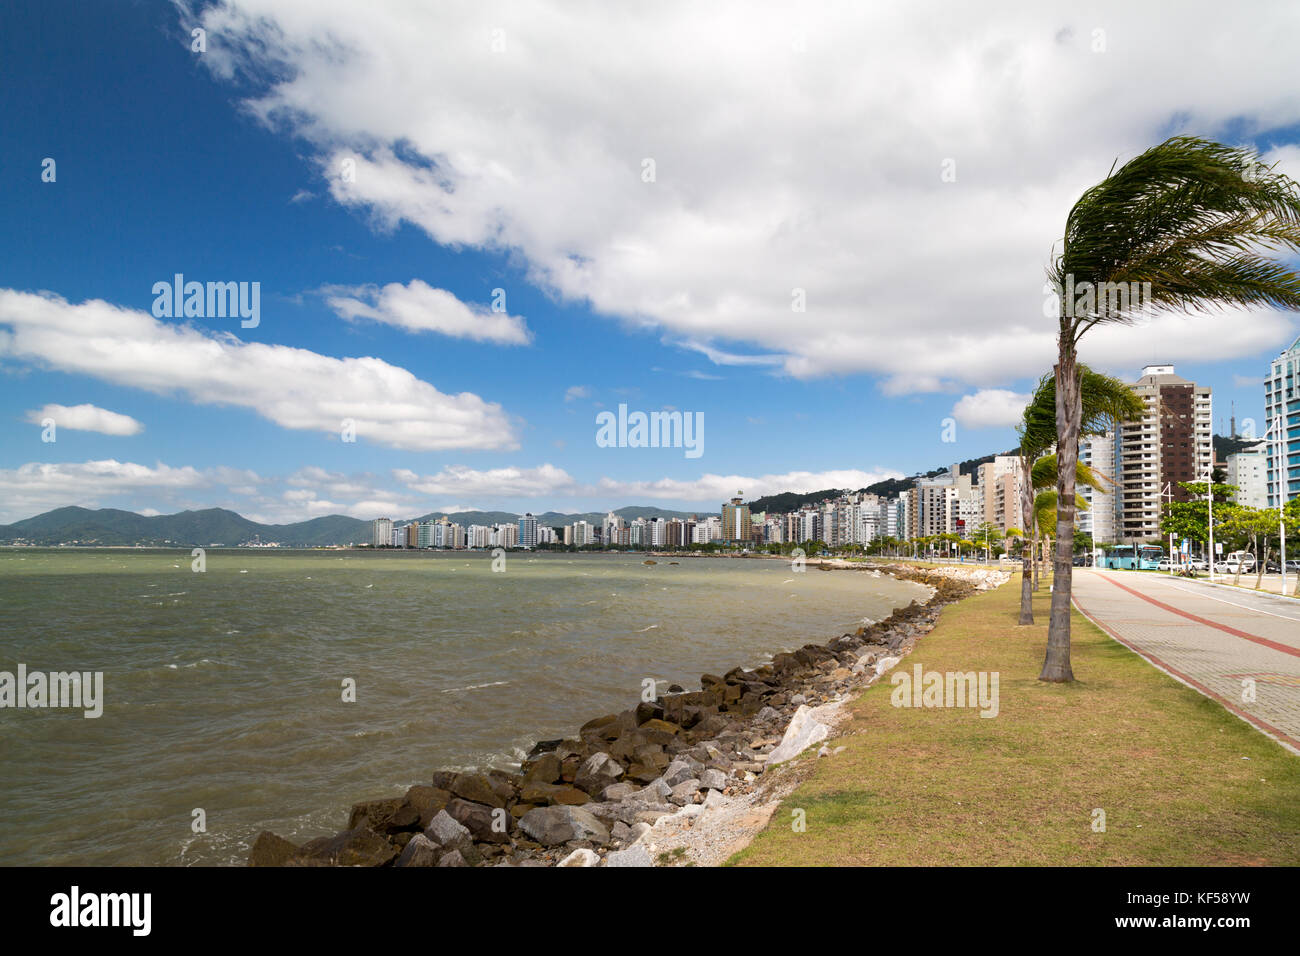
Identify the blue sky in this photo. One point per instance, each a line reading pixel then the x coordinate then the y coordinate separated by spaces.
pixel 221 165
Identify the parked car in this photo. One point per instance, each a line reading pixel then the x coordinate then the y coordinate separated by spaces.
pixel 1164 565
pixel 1198 564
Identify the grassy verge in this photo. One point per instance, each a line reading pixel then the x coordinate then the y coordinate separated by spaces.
pixel 1181 781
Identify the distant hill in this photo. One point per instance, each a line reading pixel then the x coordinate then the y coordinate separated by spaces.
pixel 1225 445
pixel 212 526
pixel 110 527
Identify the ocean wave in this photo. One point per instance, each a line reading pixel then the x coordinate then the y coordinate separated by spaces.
pixel 495 683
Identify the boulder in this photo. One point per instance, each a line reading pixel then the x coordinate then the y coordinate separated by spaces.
pixel 684 792
pixel 580 857
pixel 486 824
pixel 476 788
pixel 548 794
pixel 378 815
pixel 453 858
pixel 657 731
pixel 543 746
pixel 552 826
pixel 804 731
pixel 597 772
pixel 648 710
pixel 446 831
pixel 544 769
pixel 632 856
pixel 618 791
pixel 359 847
pixel 270 850
pixel 420 851
pixel 425 801
pixel 712 779
pixel 683 768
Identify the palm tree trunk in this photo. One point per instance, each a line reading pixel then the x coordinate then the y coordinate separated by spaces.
pixel 1026 546
pixel 1069 412
pixel 1038 554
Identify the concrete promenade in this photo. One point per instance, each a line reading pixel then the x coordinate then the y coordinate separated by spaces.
pixel 1239 648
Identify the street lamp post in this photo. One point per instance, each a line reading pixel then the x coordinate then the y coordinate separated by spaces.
pixel 1168 492
pixel 1209 494
pixel 1276 429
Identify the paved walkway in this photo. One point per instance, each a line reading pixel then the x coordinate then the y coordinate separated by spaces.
pixel 1217 640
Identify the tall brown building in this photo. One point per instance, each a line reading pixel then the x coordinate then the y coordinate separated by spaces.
pixel 1171 443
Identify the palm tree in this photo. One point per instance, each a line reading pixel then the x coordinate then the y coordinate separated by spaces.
pixel 1104 402
pixel 1189 223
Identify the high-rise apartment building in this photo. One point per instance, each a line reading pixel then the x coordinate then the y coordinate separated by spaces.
pixel 1248 470
pixel 1282 406
pixel 736 525
pixel 1170 443
pixel 527 531
pixel 1098 520
pixel 381 533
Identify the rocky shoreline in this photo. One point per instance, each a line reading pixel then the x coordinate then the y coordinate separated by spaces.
pixel 649 784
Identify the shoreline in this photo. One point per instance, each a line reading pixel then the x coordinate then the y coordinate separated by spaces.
pixel 685 778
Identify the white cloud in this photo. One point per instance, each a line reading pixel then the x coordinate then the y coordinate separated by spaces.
pixel 37 487
pixel 711 490
pixel 990 408
pixel 796 147
pixel 510 482
pixel 575 392
pixel 419 307
pixel 293 387
pixel 86 418
pixel 312 491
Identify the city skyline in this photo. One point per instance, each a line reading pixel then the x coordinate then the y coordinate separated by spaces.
pixel 475 341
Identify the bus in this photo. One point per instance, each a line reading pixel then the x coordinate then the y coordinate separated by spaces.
pixel 1121 556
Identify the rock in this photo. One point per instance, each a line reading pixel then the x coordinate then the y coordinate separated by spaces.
pixel 600 726
pixel 446 831
pixel 359 847
pixel 804 731
pixel 378 815
pixel 657 731
pixel 712 779
pixel 656 791
pixel 486 824
pixel 270 850
pixel 648 710
pixel 454 858
pixel 544 769
pixel 543 746
pixel 684 792
pixel 621 832
pixel 426 801
pixel 598 772
pixel 636 855
pixel 552 826
pixel 476 788
pixel 683 768
pixel 640 830
pixel 713 798
pixel 548 794
pixel 420 851
pixel 580 857
pixel 618 791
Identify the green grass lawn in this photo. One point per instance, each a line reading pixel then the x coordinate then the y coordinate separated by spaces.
pixel 1181 781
